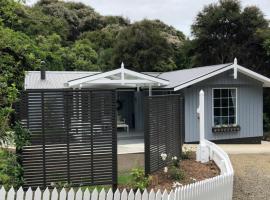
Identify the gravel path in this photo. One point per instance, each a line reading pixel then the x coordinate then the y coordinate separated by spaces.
pixel 252 176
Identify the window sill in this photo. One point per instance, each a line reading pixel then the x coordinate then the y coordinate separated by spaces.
pixel 226 129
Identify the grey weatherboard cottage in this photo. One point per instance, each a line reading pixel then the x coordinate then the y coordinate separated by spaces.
pixel 233 97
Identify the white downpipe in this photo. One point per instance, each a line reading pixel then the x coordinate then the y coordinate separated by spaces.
pixel 203 153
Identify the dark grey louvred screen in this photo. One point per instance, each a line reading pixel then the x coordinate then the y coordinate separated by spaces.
pixel 73 137
pixel 164 127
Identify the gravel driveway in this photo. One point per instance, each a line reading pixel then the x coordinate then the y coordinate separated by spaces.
pixel 252 176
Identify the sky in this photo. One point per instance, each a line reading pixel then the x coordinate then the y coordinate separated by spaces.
pixel 177 13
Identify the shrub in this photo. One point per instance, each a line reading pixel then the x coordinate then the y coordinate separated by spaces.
pixel 10 170
pixel 175 173
pixel 139 180
pixel 186 153
pixel 21 136
pixel 175 161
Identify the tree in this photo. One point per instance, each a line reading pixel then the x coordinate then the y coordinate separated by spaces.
pixel 143 47
pixel 103 42
pixel 51 51
pixel 8 13
pixel 18 53
pixel 223 31
pixel 78 16
pixel 8 95
pixel 81 56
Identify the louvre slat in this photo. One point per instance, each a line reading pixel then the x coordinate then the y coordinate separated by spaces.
pixel 163 129
pixel 73 136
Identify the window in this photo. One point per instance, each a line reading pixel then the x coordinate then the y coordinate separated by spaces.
pixel 224 106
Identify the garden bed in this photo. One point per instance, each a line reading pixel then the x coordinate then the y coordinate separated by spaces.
pixel 192 171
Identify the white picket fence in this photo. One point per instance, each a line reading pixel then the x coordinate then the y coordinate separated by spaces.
pixel 217 188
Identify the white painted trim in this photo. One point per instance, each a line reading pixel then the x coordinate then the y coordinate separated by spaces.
pixel 147 77
pixel 236 103
pixel 248 72
pixel 235 68
pixel 252 74
pixel 122 71
pixel 122 82
pixel 203 77
pixel 122 74
pixel 93 77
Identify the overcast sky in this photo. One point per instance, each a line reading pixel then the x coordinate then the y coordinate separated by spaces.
pixel 178 13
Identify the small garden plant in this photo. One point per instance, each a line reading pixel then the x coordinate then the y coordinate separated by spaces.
pixel 140 181
pixel 173 170
pixel 186 153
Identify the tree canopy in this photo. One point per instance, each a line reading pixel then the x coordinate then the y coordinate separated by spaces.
pixel 225 30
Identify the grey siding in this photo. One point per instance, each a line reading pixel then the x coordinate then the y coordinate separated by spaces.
pixel 249 107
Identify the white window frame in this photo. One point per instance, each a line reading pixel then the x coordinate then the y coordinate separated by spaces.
pixel 236 104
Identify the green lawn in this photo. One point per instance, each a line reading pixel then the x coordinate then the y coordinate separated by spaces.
pixel 124 178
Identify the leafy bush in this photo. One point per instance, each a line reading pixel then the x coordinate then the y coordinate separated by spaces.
pixel 10 170
pixel 139 180
pixel 186 153
pixel 176 173
pixel 21 136
pixel 175 161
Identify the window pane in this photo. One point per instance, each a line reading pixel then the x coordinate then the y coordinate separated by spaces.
pixel 217 112
pixel 224 108
pixel 217 102
pixel 232 93
pixel 224 93
pixel 217 121
pixel 232 111
pixel 216 93
pixel 225 120
pixel 224 102
pixel 232 102
pixel 232 120
pixel 224 112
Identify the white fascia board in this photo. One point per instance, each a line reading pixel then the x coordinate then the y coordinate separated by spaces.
pixel 203 77
pixel 147 77
pixel 108 81
pixel 254 75
pixel 92 77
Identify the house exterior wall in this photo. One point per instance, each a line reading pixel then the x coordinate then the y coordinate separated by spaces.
pixel 249 107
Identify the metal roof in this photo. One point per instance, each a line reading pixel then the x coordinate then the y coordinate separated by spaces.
pixel 180 77
pixel 177 79
pixel 54 79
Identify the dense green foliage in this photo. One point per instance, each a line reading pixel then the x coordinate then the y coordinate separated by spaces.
pixel 223 31
pixel 21 136
pixel 139 180
pixel 10 170
pixel 8 95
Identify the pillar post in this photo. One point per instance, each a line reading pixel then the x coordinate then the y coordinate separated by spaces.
pixel 150 90
pixel 202 154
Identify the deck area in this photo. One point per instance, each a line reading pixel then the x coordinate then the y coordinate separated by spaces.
pixel 132 142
